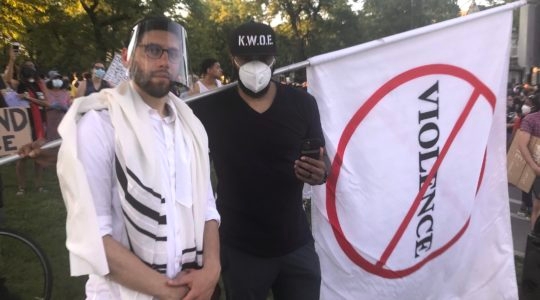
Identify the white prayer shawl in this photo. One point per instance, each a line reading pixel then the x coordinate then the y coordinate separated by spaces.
pixel 139 176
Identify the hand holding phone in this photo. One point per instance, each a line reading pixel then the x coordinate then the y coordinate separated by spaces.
pixel 311 148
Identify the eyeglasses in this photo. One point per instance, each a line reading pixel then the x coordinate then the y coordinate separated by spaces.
pixel 242 59
pixel 155 51
pixel 99 68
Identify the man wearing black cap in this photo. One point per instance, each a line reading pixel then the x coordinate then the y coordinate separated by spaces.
pixel 255 131
pixel 135 177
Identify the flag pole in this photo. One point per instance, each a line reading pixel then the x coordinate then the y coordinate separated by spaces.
pixel 58 142
pixel 14 157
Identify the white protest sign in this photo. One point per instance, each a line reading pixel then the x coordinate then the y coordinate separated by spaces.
pixel 116 73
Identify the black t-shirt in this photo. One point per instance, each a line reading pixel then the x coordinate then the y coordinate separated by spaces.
pixel 90 88
pixel 259 197
pixel 33 87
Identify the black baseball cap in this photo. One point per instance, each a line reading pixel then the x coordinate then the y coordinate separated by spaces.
pixel 253 38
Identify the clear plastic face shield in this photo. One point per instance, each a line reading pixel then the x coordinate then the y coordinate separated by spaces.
pixel 156 52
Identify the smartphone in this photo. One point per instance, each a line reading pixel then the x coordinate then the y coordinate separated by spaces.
pixel 311 148
pixel 15 47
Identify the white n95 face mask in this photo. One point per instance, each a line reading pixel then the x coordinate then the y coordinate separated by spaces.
pixel 525 109
pixel 255 75
pixel 57 83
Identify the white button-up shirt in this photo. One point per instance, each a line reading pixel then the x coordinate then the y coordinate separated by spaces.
pixel 96 152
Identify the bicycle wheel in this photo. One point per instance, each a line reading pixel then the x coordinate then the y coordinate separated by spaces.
pixel 25 272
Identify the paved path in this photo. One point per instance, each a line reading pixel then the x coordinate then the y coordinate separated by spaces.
pixel 520 225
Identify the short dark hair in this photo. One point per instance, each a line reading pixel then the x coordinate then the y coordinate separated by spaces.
pixel 207 63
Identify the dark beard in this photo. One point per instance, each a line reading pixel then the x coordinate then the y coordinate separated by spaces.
pixel 249 92
pixel 155 90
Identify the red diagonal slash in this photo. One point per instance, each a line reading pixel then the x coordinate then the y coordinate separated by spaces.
pixel 436 69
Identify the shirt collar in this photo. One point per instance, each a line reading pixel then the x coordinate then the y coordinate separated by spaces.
pixel 169 107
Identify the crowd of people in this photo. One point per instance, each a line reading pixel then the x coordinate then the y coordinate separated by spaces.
pixel 523 105
pixel 136 159
pixel 48 95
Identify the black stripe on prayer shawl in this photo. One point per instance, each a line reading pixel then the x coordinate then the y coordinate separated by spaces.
pixel 191 265
pixel 138 181
pixel 141 208
pixel 145 232
pixel 160 268
pixel 187 250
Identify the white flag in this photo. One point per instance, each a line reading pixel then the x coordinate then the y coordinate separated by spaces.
pixel 416 206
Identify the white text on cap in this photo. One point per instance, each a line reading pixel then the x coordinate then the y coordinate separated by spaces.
pixel 255 40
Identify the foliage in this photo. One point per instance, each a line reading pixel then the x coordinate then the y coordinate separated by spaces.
pixel 70 35
pixel 384 18
pixel 311 27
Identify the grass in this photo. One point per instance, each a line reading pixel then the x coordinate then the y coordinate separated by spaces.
pixel 41 216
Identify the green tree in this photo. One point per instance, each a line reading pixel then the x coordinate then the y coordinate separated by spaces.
pixel 16 14
pixel 384 18
pixel 311 27
pixel 209 25
pixel 71 34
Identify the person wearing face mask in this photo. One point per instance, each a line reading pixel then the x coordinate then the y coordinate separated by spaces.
pixel 96 83
pixel 31 88
pixel 59 100
pixel 530 126
pixel 255 131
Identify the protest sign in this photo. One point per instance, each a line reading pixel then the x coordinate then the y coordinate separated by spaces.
pixel 15 129
pixel 116 73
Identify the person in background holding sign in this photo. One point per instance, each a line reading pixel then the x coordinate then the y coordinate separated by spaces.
pixel 96 83
pixel 211 73
pixel 256 133
pixel 530 127
pixel 134 159
pixel 31 87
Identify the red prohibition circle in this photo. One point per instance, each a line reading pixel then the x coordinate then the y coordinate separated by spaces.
pixel 378 268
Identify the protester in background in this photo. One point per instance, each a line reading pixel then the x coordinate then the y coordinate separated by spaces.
pixel 211 73
pixel 31 87
pixel 530 126
pixel 142 156
pixel 94 84
pixel 520 112
pixel 11 97
pixel 59 100
pixel 74 84
pixel 255 133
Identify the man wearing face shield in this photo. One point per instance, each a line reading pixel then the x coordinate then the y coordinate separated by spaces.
pixel 134 173
pixel 255 131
